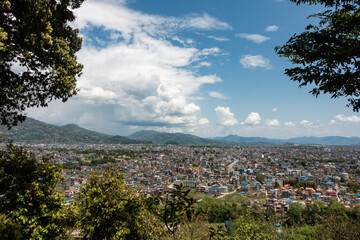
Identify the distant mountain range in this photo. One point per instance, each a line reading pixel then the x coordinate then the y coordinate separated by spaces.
pixel 34 131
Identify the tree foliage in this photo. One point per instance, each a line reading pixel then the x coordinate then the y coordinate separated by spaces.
pixel 294 214
pixel 247 227
pixel 174 208
pixel 216 233
pixel 30 205
pixel 353 187
pixel 260 178
pixel 37 55
pixel 108 209
pixel 328 55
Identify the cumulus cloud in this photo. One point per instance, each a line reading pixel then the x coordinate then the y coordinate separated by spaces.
pixel 332 122
pixel 289 124
pixel 253 119
pixel 306 123
pixel 225 116
pixel 272 123
pixel 256 38
pixel 351 119
pixel 274 109
pixel 253 61
pixel 204 121
pixel 137 74
pixel 217 95
pixel 97 93
pixel 272 28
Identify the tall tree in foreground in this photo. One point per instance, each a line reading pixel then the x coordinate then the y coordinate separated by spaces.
pixel 30 205
pixel 37 55
pixel 328 55
pixel 37 64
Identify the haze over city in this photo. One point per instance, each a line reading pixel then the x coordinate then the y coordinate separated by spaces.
pixel 202 67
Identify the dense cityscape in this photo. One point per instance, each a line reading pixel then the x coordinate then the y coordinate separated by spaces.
pixel 268 176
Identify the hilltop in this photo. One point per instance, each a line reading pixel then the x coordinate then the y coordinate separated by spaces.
pixel 174 138
pixel 34 131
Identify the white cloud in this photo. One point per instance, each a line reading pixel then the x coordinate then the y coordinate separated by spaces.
pixel 351 119
pixel 205 22
pixel 253 119
pixel 332 122
pixel 217 95
pixel 96 94
pixel 252 61
pixel 274 109
pixel 289 124
pixel 272 123
pixel 256 38
pixel 184 42
pixel 204 121
pixel 219 39
pixel 209 51
pixel 306 123
pixel 272 28
pixel 138 75
pixel 117 17
pixel 225 116
pixel 204 64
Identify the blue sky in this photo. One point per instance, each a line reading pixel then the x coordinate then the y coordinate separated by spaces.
pixel 204 67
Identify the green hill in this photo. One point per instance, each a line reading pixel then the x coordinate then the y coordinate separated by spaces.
pixel 173 138
pixel 34 131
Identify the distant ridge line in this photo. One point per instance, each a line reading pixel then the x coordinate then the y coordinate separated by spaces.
pixel 34 131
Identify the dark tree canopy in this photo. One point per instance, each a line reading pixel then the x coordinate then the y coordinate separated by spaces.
pixel 328 55
pixel 30 205
pixel 37 55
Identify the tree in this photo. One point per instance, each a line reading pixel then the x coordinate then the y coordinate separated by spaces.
pixel 314 213
pixel 328 55
pixel 338 228
pixel 109 209
pixel 174 208
pixel 294 215
pixel 336 208
pixel 30 205
pixel 260 178
pixel 216 233
pixel 247 227
pixel 353 187
pixel 307 232
pixel 37 55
